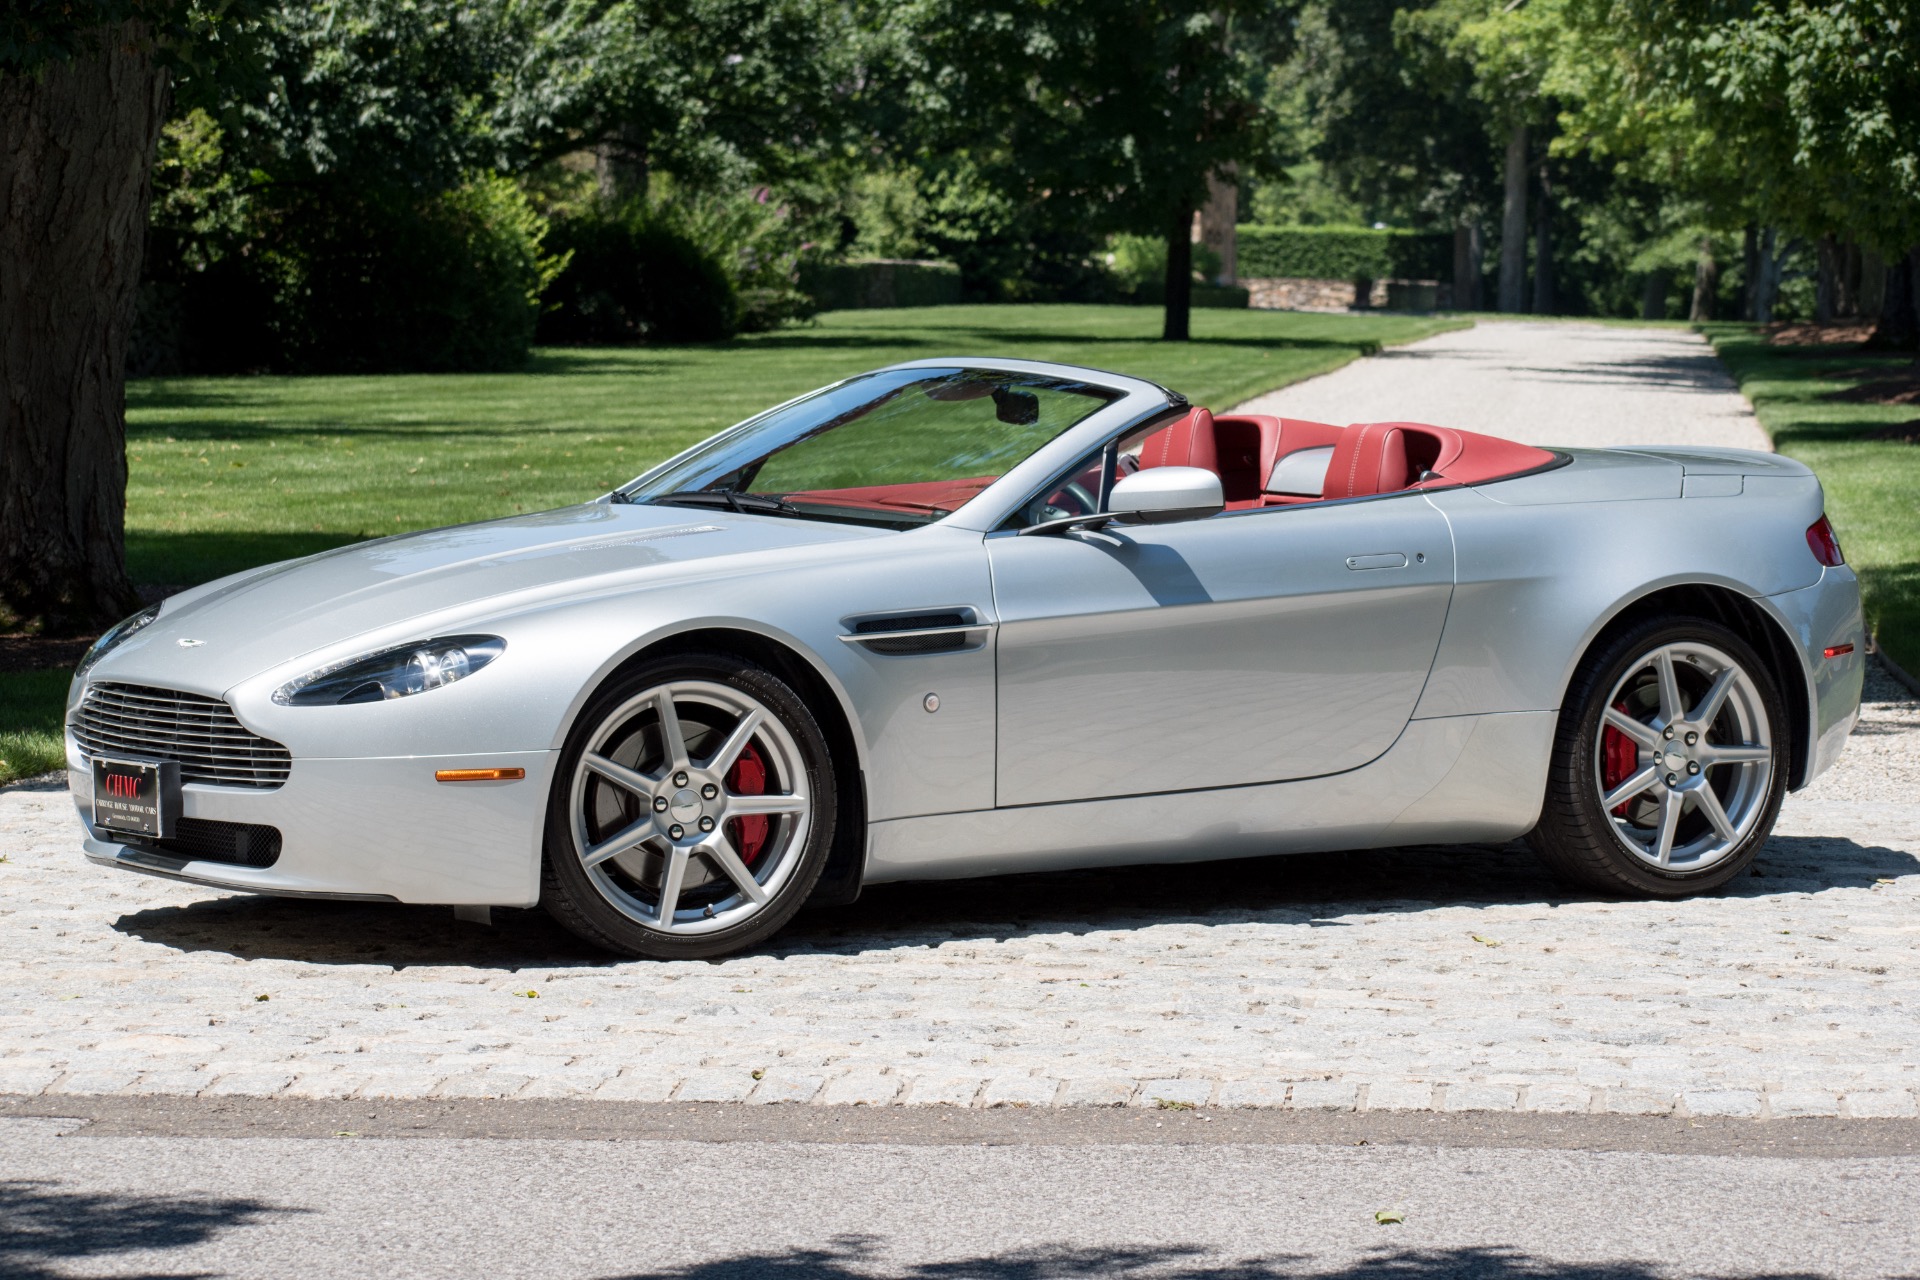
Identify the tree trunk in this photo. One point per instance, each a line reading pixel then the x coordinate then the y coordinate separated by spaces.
pixel 1513 225
pixel 1826 281
pixel 1466 265
pixel 1706 282
pixel 1873 283
pixel 1543 299
pixel 1176 326
pixel 1767 289
pixel 620 169
pixel 1846 293
pixel 1219 225
pixel 76 154
pixel 1898 328
pixel 1750 281
pixel 1653 293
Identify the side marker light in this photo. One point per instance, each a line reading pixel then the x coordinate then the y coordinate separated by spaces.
pixel 1837 650
pixel 479 775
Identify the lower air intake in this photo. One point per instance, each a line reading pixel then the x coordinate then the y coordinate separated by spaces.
pixel 238 844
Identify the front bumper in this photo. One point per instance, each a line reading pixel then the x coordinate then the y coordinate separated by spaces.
pixel 374 828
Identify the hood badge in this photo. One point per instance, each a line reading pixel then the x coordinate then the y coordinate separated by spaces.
pixel 185 643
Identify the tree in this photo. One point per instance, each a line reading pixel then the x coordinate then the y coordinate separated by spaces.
pixel 1107 116
pixel 83 92
pixel 693 87
pixel 1800 115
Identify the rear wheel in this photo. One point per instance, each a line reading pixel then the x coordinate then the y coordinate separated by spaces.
pixel 692 812
pixel 1668 765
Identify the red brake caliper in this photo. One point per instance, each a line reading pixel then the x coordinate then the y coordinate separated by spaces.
pixel 748 777
pixel 1619 757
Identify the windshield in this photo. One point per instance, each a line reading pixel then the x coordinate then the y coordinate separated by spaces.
pixel 899 448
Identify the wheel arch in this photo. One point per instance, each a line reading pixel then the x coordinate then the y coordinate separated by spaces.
pixel 840 882
pixel 1747 619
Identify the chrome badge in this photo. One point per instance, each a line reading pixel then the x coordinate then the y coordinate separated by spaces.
pixel 185 643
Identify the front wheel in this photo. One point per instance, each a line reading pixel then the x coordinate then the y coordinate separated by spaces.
pixel 1669 762
pixel 692 811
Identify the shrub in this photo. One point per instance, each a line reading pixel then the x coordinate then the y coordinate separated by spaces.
pixel 1140 262
pixel 451 282
pixel 1342 253
pixel 880 282
pixel 326 279
pixel 632 277
pixel 756 245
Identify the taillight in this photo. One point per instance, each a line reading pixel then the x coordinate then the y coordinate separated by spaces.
pixel 1826 547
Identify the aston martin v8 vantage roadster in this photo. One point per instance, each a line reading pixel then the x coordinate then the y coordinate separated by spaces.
pixel 968 617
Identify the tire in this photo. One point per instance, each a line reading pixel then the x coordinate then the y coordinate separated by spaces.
pixel 1697 786
pixel 732 829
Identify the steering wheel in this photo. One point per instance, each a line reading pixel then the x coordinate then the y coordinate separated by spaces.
pixel 1055 505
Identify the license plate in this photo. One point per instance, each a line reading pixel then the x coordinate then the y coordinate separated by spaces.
pixel 136 797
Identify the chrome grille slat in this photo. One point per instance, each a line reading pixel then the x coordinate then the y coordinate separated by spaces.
pixel 201 733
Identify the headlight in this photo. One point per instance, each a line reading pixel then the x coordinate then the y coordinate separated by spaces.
pixel 117 633
pixel 392 673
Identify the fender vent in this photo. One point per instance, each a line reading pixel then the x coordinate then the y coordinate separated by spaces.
pixel 901 635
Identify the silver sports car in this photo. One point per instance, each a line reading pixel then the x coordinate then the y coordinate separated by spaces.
pixel 967 617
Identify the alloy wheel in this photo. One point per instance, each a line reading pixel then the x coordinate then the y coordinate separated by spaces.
pixel 1684 762
pixel 689 807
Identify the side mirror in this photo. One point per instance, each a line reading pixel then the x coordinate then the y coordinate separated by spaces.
pixel 1162 495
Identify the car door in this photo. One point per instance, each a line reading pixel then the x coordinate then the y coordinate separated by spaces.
pixel 1248 647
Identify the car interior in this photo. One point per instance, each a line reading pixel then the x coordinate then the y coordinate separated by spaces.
pixel 1261 461
pixel 1271 462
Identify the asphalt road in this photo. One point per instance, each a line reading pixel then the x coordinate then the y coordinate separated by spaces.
pixel 981 1205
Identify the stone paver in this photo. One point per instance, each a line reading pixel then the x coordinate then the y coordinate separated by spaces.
pixel 1321 981
pixel 1545 383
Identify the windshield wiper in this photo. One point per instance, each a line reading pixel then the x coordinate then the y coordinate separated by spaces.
pixel 742 503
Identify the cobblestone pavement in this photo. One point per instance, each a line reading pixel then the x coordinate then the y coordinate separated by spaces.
pixel 1450 979
pixel 1545 383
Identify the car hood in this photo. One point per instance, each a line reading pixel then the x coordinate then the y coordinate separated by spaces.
pixel 249 623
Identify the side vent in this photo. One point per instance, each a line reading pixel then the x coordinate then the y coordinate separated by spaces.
pixel 903 635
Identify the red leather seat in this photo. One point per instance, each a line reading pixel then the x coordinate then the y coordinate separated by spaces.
pixel 1369 458
pixel 1187 442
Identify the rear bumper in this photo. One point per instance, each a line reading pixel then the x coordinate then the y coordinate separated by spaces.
pixel 376 828
pixel 1826 616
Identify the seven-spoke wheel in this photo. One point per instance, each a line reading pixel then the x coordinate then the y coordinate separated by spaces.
pixel 1666 775
pixel 694 812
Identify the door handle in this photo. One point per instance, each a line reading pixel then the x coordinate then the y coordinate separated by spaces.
pixel 1385 560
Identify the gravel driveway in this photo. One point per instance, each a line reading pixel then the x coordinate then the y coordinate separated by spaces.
pixel 1566 384
pixel 1447 979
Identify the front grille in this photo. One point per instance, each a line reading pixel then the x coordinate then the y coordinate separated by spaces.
pixel 201 733
pixel 239 844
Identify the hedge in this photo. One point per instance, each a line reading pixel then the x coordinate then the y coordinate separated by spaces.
pixel 1342 253
pixel 880 282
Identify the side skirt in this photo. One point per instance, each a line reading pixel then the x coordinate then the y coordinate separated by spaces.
pixel 1455 779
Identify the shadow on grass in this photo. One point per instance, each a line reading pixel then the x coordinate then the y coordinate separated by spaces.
pixel 1304 890
pixel 44 1229
pixel 1891 594
pixel 178 560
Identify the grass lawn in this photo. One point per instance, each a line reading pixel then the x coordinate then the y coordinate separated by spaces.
pixel 228 473
pixel 1816 402
pixel 31 706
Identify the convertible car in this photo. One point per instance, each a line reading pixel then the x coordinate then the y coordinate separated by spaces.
pixel 968 617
